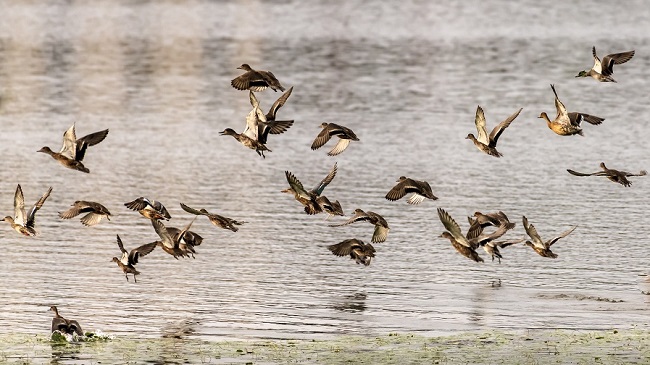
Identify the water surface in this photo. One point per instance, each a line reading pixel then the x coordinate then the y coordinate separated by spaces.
pixel 407 78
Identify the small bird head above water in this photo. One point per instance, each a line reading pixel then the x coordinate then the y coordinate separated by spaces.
pixel 45 149
pixel 245 67
pixel 470 136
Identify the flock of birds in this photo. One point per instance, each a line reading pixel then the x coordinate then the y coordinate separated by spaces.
pixel 181 243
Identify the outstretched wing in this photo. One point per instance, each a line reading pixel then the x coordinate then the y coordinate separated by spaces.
pixel 479 120
pixel 191 210
pixel 496 132
pixel 576 173
pixel 532 233
pixel 453 227
pixel 19 206
pixel 318 190
pixel 561 109
pixel 141 251
pixel 614 59
pixel 278 104
pixel 562 235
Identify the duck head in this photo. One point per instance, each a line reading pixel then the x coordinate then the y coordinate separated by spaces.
pixel 470 136
pixel 582 74
pixel 245 67
pixel 45 149
pixel 228 132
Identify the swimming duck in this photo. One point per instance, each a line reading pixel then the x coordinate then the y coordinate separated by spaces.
pixel 542 248
pixel 565 123
pixel 485 143
pixel 405 185
pixel 492 247
pixel 95 212
pixel 253 134
pixel 171 239
pixel 129 259
pixel 381 226
pixel 308 198
pixel 613 175
pixel 361 253
pixel 603 71
pixel 67 326
pixel 345 135
pixel 466 246
pixel 21 222
pixel 255 80
pixel 74 150
pixel 151 209
pixel 216 219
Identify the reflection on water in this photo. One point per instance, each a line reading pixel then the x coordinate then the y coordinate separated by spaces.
pixel 157 75
pixel 355 303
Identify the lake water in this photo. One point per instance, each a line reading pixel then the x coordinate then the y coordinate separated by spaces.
pixel 407 77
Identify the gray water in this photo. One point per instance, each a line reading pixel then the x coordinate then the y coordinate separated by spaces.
pixel 406 77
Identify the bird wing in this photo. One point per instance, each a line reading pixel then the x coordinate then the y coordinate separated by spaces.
pixel 141 251
pixel 59 324
pixel 278 104
pixel 598 67
pixel 93 138
pixel 191 210
pixel 561 109
pixel 598 173
pixel 380 234
pixel 532 233
pixel 479 120
pixel 69 147
pixel 163 234
pixel 296 185
pixel 31 216
pixel 453 227
pixel 562 235
pixel 19 206
pixel 398 191
pixel 591 119
pixel 279 126
pixel 641 173
pixel 84 142
pixel 253 124
pixel 321 138
pixel 160 208
pixel 614 59
pixel 344 248
pixel 120 244
pixel 318 190
pixel 340 146
pixel 503 244
pixel 139 204
pixel 179 237
pixel 358 216
pixel 75 326
pixel 253 99
pixel 496 132
pixel 91 219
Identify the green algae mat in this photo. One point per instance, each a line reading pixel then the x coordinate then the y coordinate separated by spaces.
pixel 491 347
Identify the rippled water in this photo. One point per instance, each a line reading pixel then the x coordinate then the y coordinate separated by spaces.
pixel 407 78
